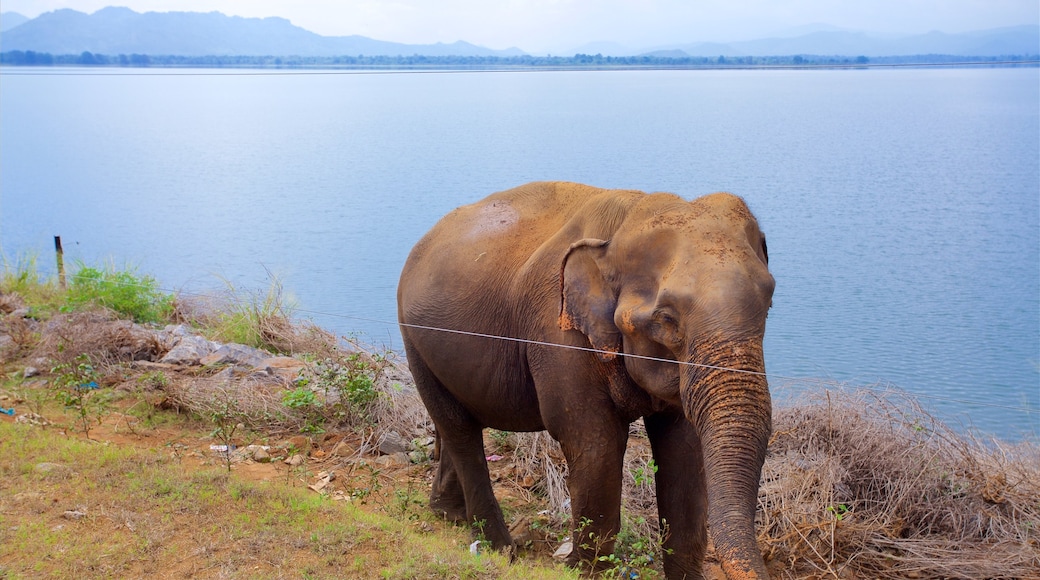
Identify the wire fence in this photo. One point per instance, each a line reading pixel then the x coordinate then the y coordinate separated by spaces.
pixel 787 381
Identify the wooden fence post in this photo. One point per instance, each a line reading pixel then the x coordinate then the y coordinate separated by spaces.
pixel 61 261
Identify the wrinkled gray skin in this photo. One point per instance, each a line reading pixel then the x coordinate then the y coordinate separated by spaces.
pixel 618 271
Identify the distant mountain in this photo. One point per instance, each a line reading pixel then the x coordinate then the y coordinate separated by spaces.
pixel 9 20
pixel 1020 40
pixel 114 31
pixel 123 31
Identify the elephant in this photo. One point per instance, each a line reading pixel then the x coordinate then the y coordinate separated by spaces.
pixel 577 310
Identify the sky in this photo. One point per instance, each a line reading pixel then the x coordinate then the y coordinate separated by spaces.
pixel 538 26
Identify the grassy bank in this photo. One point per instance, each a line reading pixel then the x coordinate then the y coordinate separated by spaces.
pixel 110 469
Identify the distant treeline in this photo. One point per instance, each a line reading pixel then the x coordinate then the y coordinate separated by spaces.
pixel 31 58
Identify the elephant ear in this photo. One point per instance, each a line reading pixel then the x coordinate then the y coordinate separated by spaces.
pixel 588 301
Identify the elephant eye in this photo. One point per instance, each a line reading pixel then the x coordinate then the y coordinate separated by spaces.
pixel 665 327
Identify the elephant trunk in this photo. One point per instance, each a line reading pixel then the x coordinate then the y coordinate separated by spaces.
pixel 730 405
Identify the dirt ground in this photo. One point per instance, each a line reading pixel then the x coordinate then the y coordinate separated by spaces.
pixel 194 448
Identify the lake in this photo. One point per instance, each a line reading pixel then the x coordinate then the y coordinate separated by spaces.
pixel 901 205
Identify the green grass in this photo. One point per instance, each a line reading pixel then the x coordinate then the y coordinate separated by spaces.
pixel 23 278
pixel 147 514
pixel 124 291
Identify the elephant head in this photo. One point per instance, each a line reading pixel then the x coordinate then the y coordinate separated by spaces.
pixel 681 291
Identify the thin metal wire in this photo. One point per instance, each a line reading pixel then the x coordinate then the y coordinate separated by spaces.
pixel 1027 410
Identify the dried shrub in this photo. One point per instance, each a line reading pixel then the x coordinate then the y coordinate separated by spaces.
pixel 867 484
pixel 99 333
pixel 539 462
pixel 255 403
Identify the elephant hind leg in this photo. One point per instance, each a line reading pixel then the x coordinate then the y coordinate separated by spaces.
pixel 462 487
pixel 447 498
pixel 463 468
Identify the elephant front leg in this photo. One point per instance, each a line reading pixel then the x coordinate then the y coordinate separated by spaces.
pixel 681 497
pixel 595 462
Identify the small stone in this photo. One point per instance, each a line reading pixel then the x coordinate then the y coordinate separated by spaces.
pixel 188 351
pixel 343 449
pixel 73 515
pixel 260 455
pixel 30 372
pixel 394 460
pixel 563 551
pixel 296 444
pixel 294 460
pixel 391 442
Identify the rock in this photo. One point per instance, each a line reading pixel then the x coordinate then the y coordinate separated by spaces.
pixel 418 456
pixel 563 551
pixel 30 372
pixel 176 332
pixel 20 313
pixel 296 444
pixel 74 515
pixel 391 442
pixel 188 351
pixel 235 354
pixel 344 449
pixel 283 367
pixel 31 419
pixel 260 455
pixel 394 460
pixel 152 366
pixel 295 460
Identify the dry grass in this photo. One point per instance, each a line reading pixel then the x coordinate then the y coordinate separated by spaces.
pixel 868 484
pixel 96 332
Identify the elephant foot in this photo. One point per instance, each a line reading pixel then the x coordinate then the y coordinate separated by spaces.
pixel 449 509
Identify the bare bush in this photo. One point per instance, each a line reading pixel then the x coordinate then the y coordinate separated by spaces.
pixel 868 483
pixel 254 403
pixel 98 333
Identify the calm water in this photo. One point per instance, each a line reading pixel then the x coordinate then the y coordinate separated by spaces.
pixel 901 206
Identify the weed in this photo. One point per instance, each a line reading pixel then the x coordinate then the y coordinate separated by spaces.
pixel 839 511
pixel 500 439
pixel 78 391
pixel 645 476
pixel 30 393
pixel 634 553
pixel 304 400
pixel 154 380
pixel 368 485
pixel 123 291
pixel 349 388
pixel 481 543
pixel 407 503
pixel 23 278
pixel 258 320
pixel 226 417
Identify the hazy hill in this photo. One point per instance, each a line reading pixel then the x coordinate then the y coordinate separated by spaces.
pixel 1019 40
pixel 123 31
pixel 10 20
